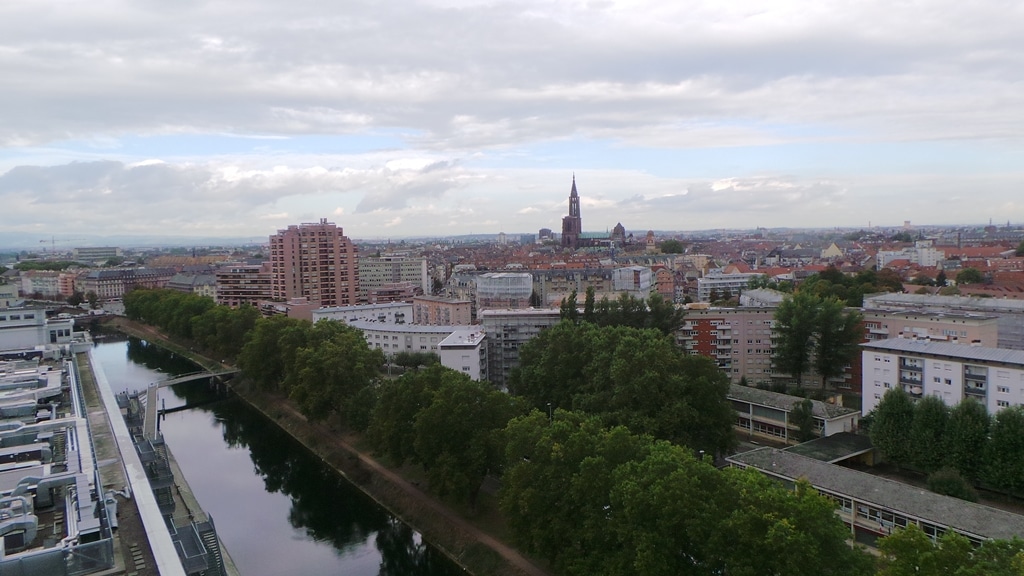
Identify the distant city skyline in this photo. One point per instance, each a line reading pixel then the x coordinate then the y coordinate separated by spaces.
pixel 449 117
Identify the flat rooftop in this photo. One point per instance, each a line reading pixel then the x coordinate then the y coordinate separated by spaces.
pixel 968 517
pixel 946 350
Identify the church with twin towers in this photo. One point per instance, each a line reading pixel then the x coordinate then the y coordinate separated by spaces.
pixel 573 236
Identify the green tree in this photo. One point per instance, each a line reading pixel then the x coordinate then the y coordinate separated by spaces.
pixel 569 309
pixel 76 298
pixel 93 299
pixel 774 530
pixel 589 301
pixel 1004 459
pixel 795 320
pixel 802 415
pixel 1020 249
pixel 911 552
pixel 927 433
pixel 837 339
pixel 940 278
pixel 969 276
pixel 671 247
pixel 269 348
pixel 459 437
pixel 890 430
pixel 334 365
pixel 966 438
pixel 399 401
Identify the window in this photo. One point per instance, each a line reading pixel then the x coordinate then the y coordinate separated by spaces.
pixel 1002 403
pixel 948 381
pixel 936 379
pixel 1003 389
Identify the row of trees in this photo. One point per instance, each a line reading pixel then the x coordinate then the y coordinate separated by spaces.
pixel 911 552
pixel 626 310
pixel 928 435
pixel 596 500
pixel 815 331
pixel 218 329
pixel 630 377
pixel 830 282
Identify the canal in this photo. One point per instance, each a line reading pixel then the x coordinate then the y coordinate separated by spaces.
pixel 278 509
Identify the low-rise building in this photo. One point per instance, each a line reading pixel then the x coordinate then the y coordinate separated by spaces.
pixel 1010 313
pixel 387 313
pixel 115 282
pixel 722 285
pixel 872 507
pixel 27 330
pixel 767 414
pixel 395 338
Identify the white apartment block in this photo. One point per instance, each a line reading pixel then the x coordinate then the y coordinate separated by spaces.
pixel 395 338
pixel 465 351
pixel 724 285
pixel 922 254
pixel 387 313
pixel 952 372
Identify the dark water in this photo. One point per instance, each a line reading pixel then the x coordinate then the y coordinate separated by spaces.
pixel 277 508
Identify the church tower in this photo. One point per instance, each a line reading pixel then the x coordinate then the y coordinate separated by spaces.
pixel 572 224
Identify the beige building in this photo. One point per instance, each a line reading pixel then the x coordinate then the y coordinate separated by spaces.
pixel 441 311
pixel 378 272
pixel 953 327
pixel 239 284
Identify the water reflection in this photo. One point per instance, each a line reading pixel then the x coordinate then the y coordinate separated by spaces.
pixel 278 508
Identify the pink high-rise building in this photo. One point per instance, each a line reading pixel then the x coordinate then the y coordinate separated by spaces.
pixel 315 261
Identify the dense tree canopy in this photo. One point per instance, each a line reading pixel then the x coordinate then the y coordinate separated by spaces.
pixel 966 436
pixel 636 378
pixel 217 329
pixel 1004 461
pixel 626 310
pixel 911 552
pixel 927 433
pixel 600 501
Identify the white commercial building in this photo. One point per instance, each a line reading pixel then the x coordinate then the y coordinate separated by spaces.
pixel 394 338
pixel 465 351
pixel 387 313
pixel 952 372
pixel 723 285
pixel 28 330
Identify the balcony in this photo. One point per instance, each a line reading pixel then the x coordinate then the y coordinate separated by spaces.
pixel 916 391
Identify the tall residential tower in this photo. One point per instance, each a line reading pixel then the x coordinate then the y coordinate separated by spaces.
pixel 315 261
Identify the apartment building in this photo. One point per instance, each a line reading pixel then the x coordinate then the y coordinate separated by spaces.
pixel 465 350
pixel 633 280
pixel 243 284
pixel 951 372
pixel 315 261
pixel 739 340
pixel 553 286
pixel 445 311
pixel 723 285
pixel 115 282
pixel 386 313
pixel 507 331
pixel 953 326
pixel 1010 313
pixel 377 272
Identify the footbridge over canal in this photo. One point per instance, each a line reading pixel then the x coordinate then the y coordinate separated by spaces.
pixel 149 426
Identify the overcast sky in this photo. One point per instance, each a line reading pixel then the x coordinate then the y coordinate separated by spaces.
pixel 400 118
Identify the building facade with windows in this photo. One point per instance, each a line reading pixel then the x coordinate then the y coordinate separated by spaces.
pixel 240 283
pixel 465 350
pixel 724 286
pixel 28 329
pixel 953 327
pixel 115 282
pixel 394 338
pixel 503 290
pixel 1010 313
pixel 444 311
pixel 767 414
pixel 507 332
pixel 376 272
pixel 951 372
pixel 872 507
pixel 739 340
pixel 315 261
